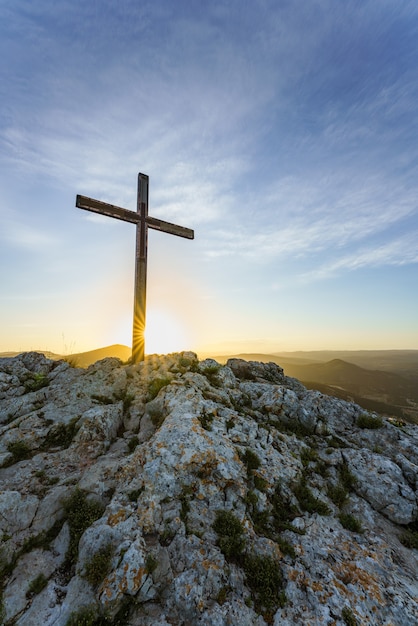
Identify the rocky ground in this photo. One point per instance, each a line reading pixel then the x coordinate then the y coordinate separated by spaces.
pixel 183 492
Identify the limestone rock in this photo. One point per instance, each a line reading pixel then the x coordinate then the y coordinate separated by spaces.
pixel 218 495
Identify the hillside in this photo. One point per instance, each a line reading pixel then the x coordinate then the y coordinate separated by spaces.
pixel 379 390
pixel 184 492
pixel 83 359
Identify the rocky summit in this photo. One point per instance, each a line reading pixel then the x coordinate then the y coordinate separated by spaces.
pixel 184 492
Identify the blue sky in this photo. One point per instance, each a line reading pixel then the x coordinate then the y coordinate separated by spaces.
pixel 284 133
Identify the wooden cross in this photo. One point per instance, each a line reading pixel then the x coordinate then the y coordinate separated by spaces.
pixel 143 222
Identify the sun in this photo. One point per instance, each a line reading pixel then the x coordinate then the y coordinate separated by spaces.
pixel 164 333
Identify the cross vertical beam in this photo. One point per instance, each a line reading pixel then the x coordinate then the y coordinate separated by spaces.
pixel 143 221
pixel 140 291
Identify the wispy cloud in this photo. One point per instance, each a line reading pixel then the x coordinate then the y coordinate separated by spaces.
pixel 401 251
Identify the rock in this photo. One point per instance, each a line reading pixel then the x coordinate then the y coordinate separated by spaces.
pixel 380 481
pixel 171 447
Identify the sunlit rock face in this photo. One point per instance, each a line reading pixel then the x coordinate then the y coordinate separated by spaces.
pixel 184 492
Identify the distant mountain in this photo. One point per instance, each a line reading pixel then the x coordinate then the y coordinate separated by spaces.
pixel 373 384
pixel 84 359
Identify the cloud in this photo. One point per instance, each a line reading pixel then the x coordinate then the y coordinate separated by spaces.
pixel 396 253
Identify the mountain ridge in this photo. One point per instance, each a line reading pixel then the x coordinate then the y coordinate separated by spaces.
pixel 179 491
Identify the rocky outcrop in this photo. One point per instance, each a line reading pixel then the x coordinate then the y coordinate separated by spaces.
pixel 184 492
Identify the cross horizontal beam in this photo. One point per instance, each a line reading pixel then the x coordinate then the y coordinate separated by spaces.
pixel 110 210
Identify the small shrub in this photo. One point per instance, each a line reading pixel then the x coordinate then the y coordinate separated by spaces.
pixel 134 494
pixel 229 424
pixel 99 565
pixel 167 536
pixel 20 451
pixel 37 584
pixel 206 420
pixel 155 387
pixel 347 479
pixel 132 443
pixel 157 416
pixel 286 547
pixel 321 468
pixel 260 483
pixel 102 399
pixel 86 616
pixel 80 515
pixel 43 478
pixel 151 563
pixel 365 420
pixel 264 578
pixel 350 522
pixel 61 435
pixel 348 617
pixel 307 455
pixel 35 382
pixel 336 442
pixel 222 595
pixel 338 494
pixel 283 512
pixel 250 460
pixel 308 501
pixel 211 372
pixel 230 533
pixel 186 492
pixel 126 398
pixel 409 538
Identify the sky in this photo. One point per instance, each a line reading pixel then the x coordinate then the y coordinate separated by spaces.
pixel 283 132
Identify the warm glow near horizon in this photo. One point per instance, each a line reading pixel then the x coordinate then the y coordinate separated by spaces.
pixel 164 333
